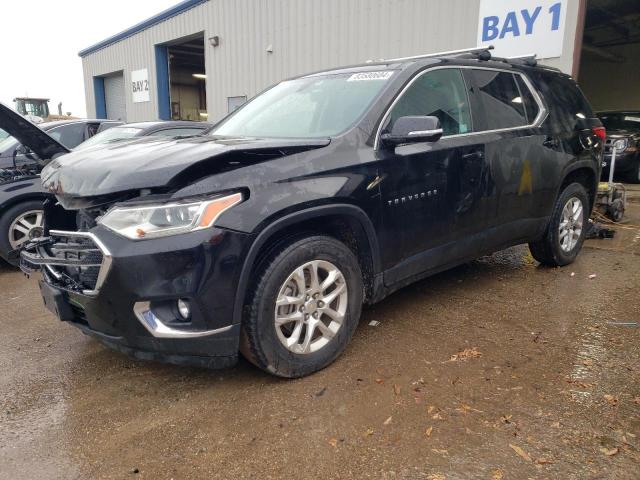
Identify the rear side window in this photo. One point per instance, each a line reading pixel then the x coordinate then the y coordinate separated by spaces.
pixel 440 93
pixel 501 98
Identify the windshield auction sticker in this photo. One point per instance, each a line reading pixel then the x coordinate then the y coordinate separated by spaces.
pixel 361 77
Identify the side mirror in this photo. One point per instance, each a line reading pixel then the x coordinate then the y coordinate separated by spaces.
pixel 413 129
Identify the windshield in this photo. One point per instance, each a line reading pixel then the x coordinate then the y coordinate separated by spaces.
pixel 108 136
pixel 621 121
pixel 319 106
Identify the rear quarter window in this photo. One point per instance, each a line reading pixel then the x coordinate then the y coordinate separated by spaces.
pixel 565 101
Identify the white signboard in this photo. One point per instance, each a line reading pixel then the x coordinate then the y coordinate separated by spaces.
pixel 522 27
pixel 140 85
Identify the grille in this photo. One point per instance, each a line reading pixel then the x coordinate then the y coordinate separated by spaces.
pixel 74 260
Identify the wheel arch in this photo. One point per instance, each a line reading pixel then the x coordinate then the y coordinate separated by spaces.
pixel 346 222
pixel 586 175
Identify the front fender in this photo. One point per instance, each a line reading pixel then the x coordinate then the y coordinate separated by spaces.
pixel 274 226
pixel 19 190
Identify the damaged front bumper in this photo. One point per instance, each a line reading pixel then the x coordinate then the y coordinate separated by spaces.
pixel 125 293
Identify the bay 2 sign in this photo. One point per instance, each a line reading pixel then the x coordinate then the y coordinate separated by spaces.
pixel 523 27
pixel 140 85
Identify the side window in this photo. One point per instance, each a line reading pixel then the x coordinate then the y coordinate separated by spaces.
pixel 501 99
pixel 440 93
pixel 531 108
pixel 175 132
pixel 70 135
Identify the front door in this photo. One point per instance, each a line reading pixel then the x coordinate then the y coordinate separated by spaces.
pixel 434 194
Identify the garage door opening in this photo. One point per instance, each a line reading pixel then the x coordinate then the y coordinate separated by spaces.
pixel 187 80
pixel 110 96
pixel 609 72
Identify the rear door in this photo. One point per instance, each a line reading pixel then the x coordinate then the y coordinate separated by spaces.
pixel 434 193
pixel 520 156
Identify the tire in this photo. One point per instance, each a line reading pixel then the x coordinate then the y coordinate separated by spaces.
pixel 263 342
pixel 548 250
pixel 7 227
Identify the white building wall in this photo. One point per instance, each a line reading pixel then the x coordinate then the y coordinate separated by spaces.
pixel 306 35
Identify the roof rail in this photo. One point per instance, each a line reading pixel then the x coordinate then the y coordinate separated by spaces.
pixel 528 59
pixel 441 54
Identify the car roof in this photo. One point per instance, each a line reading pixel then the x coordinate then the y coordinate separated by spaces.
pixel 165 124
pixel 55 123
pixel 417 63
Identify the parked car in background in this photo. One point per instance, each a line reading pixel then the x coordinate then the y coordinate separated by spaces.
pixel 69 133
pixel 623 132
pixel 21 193
pixel 127 131
pixel 327 191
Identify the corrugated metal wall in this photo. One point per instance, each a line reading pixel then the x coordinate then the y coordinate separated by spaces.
pixel 305 35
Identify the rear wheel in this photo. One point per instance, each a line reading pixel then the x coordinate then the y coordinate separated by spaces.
pixel 566 231
pixel 304 308
pixel 19 224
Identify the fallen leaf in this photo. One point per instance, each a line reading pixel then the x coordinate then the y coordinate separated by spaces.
pixel 369 432
pixel 555 424
pixel 588 362
pixel 333 442
pixel 592 276
pixel 520 452
pixel 636 400
pixel 379 381
pixel 609 452
pixel 506 419
pixel 396 389
pixel 466 354
pixel 437 416
pixel 440 451
pixel 497 474
pixel 543 461
pixel 428 431
pixel 436 476
pixel 387 421
pixel 611 400
pixel 430 409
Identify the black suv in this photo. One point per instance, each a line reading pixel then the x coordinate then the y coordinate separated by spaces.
pixel 623 133
pixel 326 191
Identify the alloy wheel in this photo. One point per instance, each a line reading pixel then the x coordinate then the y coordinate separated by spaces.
pixel 27 226
pixel 571 224
pixel 311 307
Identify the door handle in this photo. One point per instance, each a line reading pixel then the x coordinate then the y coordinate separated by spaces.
pixel 476 154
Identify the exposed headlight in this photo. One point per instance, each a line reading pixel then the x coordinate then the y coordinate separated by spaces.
pixel 152 221
pixel 620 144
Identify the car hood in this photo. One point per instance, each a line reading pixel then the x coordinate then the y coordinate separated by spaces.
pixel 152 162
pixel 620 132
pixel 29 134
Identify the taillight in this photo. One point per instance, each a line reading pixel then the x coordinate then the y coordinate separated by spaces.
pixel 599 132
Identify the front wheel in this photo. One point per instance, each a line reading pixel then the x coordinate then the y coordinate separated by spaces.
pixel 304 307
pixel 566 231
pixel 18 225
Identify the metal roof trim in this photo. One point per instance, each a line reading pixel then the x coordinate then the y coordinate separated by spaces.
pixel 149 22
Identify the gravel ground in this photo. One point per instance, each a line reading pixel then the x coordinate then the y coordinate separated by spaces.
pixel 498 369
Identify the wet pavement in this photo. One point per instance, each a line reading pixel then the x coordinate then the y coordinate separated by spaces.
pixel 498 369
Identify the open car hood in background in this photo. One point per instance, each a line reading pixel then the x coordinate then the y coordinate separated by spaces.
pixel 30 135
